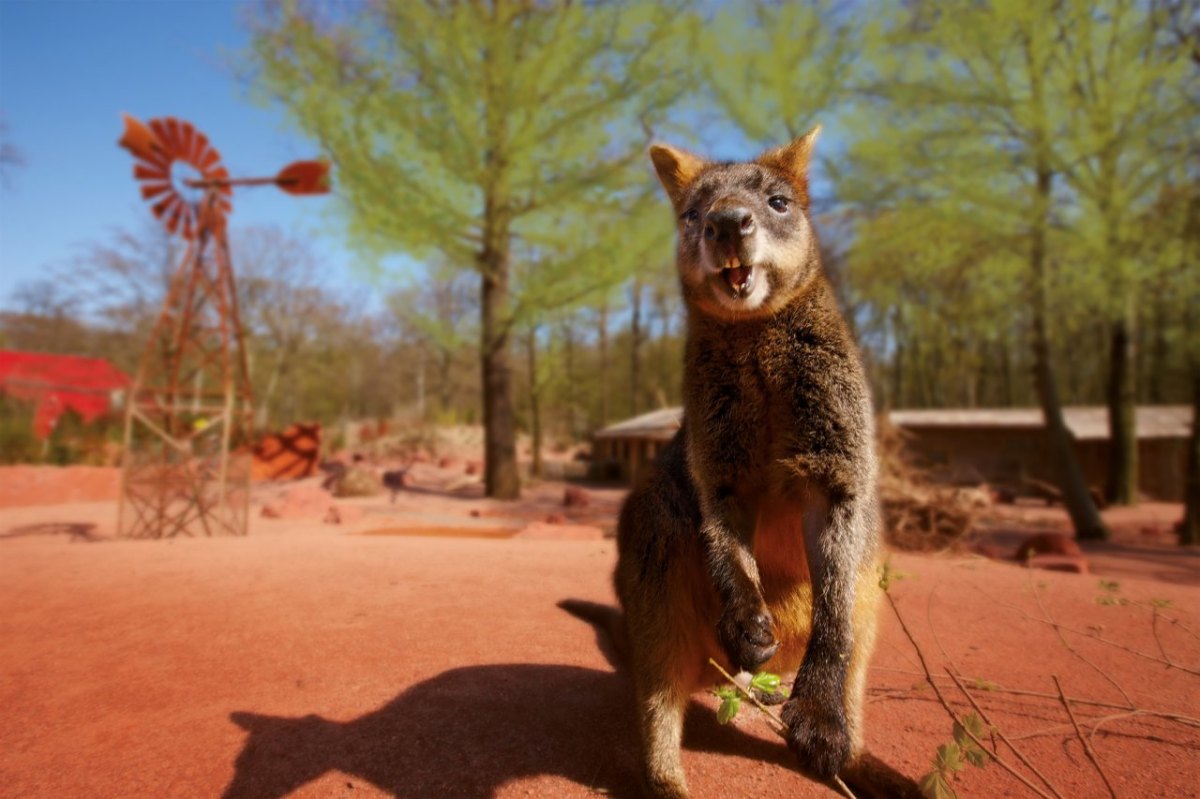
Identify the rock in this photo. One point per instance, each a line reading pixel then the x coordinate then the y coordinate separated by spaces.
pixel 575 497
pixel 447 462
pixel 476 513
pixel 474 467
pixel 1076 564
pixel 305 502
pixel 1048 544
pixel 555 518
pixel 358 481
pixel 343 514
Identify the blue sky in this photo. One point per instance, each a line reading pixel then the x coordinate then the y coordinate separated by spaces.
pixel 69 68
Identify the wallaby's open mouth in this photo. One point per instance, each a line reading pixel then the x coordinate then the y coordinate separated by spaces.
pixel 739 276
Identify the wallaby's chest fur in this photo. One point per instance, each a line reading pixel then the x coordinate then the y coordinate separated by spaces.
pixel 777 400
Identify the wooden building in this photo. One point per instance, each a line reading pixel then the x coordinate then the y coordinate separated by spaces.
pixel 997 445
pixel 621 451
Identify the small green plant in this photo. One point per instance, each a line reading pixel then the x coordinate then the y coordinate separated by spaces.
pixel 1109 597
pixel 954 756
pixel 731 696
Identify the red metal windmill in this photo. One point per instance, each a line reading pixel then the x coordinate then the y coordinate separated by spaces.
pixel 186 462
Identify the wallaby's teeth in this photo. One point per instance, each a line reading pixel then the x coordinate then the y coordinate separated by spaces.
pixel 733 263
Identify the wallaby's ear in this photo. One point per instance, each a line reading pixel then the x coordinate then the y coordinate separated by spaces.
pixel 793 159
pixel 676 169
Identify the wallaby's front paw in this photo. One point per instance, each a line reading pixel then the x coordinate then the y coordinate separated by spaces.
pixel 745 633
pixel 817 734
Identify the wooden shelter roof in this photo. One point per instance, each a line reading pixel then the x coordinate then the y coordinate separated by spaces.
pixel 1087 423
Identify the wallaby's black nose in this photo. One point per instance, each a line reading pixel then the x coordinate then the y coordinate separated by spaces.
pixel 728 224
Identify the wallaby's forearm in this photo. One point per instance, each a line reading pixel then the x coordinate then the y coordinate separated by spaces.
pixel 834 543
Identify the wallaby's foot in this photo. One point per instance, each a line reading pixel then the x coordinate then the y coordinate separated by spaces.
pixel 745 633
pixel 817 733
pixel 665 788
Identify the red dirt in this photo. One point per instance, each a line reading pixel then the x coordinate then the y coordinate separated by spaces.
pixel 304 661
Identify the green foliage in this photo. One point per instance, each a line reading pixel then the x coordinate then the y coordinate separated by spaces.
pixel 766 682
pixel 954 756
pixel 17 441
pixel 934 786
pixel 731 695
pixel 521 124
pixel 975 99
pixel 782 65
pixel 731 703
pixel 974 754
pixel 1109 597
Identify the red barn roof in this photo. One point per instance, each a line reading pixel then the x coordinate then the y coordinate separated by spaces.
pixel 58 383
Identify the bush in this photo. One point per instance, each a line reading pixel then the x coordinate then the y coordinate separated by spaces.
pixel 18 444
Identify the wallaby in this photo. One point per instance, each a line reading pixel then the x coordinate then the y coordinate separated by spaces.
pixel 755 540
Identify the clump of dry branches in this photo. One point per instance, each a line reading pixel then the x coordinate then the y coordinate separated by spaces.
pixel 920 515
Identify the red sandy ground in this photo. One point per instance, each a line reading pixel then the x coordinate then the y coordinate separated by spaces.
pixel 308 660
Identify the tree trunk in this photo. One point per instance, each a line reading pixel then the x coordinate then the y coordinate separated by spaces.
pixel 1076 496
pixel 1189 530
pixel 635 348
pixel 500 478
pixel 604 409
pixel 1159 350
pixel 572 421
pixel 896 400
pixel 1122 485
pixel 535 414
pixel 420 381
pixel 445 362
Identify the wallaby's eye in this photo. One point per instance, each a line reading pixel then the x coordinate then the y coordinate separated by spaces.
pixel 690 215
pixel 779 203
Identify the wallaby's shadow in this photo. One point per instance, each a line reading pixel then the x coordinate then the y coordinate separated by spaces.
pixel 468 731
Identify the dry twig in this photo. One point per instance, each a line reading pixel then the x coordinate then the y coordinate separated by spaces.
pixel 1087 747
pixel 1088 634
pixel 933 684
pixel 1020 755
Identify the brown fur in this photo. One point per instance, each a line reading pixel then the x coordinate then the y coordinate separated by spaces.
pixel 767 491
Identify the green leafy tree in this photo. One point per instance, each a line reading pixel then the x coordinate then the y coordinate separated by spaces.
pixel 477 131
pixel 973 113
pixel 782 65
pixel 1127 131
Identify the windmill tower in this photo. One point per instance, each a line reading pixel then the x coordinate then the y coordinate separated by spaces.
pixel 189 411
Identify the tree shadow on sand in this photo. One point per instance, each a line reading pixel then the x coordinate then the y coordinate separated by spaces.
pixel 469 731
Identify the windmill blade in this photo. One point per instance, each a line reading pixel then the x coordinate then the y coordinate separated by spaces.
pixel 141 141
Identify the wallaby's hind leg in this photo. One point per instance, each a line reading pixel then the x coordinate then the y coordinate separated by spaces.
pixel 661 708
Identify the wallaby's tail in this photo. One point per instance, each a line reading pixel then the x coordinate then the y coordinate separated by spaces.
pixel 609 622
